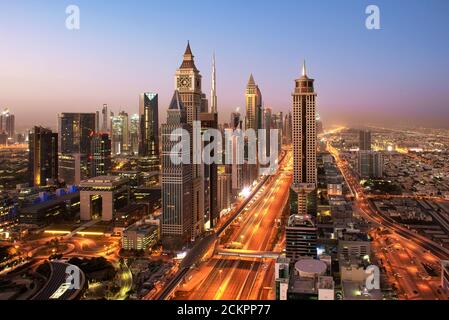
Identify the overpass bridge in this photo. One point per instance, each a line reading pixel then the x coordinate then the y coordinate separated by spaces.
pixel 248 254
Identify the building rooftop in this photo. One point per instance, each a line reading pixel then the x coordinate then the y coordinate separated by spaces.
pixel 108 181
pixel 353 290
pixel 141 228
pixel 310 266
pixel 326 283
pixel 50 203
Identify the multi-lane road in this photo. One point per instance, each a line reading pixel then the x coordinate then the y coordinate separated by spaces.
pixel 234 278
pixel 405 272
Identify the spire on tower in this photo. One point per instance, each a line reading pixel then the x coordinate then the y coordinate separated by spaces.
pixel 213 92
pixel 188 50
pixel 251 81
pixel 304 71
pixel 188 62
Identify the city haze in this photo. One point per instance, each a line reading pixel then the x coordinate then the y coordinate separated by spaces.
pixel 397 75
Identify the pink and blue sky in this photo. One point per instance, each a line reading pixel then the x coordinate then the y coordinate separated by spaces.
pixel 396 75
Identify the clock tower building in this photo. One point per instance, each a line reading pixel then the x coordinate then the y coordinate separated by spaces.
pixel 188 84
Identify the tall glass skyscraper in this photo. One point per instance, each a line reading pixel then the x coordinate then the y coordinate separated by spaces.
pixel 149 132
pixel 177 219
pixel 43 156
pixel 75 134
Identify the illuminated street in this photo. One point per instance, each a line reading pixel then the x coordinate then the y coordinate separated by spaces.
pixel 402 270
pixel 246 279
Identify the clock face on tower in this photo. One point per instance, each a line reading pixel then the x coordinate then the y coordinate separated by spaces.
pixel 184 82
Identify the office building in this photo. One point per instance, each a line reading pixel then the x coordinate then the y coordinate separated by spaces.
pixel 253 121
pixel 134 134
pixel 301 237
pixel 370 164
pixel 224 187
pixel 149 132
pixel 120 133
pixel 7 123
pixel 176 222
pixel 102 196
pixel 100 164
pixel 105 115
pixel 43 156
pixel 365 140
pixel 140 236
pixel 188 84
pixel 209 172
pixel 75 133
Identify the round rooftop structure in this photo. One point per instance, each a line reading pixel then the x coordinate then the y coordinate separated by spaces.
pixel 310 267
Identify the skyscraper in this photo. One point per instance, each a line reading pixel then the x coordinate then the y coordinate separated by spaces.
pixel 105 114
pixel 210 121
pixel 149 132
pixel 224 187
pixel 120 133
pixel 7 123
pixel 134 134
pixel 268 125
pixel 304 145
pixel 176 223
pixel 288 128
pixel 100 164
pixel 188 84
pixel 370 164
pixel 253 98
pixel 365 140
pixel 213 91
pixel 75 133
pixel 253 105
pixel 43 156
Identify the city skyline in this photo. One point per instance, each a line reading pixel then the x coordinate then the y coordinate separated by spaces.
pixel 300 157
pixel 109 70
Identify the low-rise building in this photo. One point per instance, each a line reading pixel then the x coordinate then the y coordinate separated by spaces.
pixel 140 236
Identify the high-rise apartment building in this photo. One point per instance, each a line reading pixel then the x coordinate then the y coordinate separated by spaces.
pixel 43 156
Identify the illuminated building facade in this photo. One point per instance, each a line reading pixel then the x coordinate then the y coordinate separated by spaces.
pixel 188 84
pixel 43 156
pixel 149 132
pixel 176 222
pixel 100 164
pixel 304 146
pixel 102 196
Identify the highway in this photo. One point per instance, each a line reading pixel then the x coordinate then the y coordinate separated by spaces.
pixel 403 263
pixel 233 278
